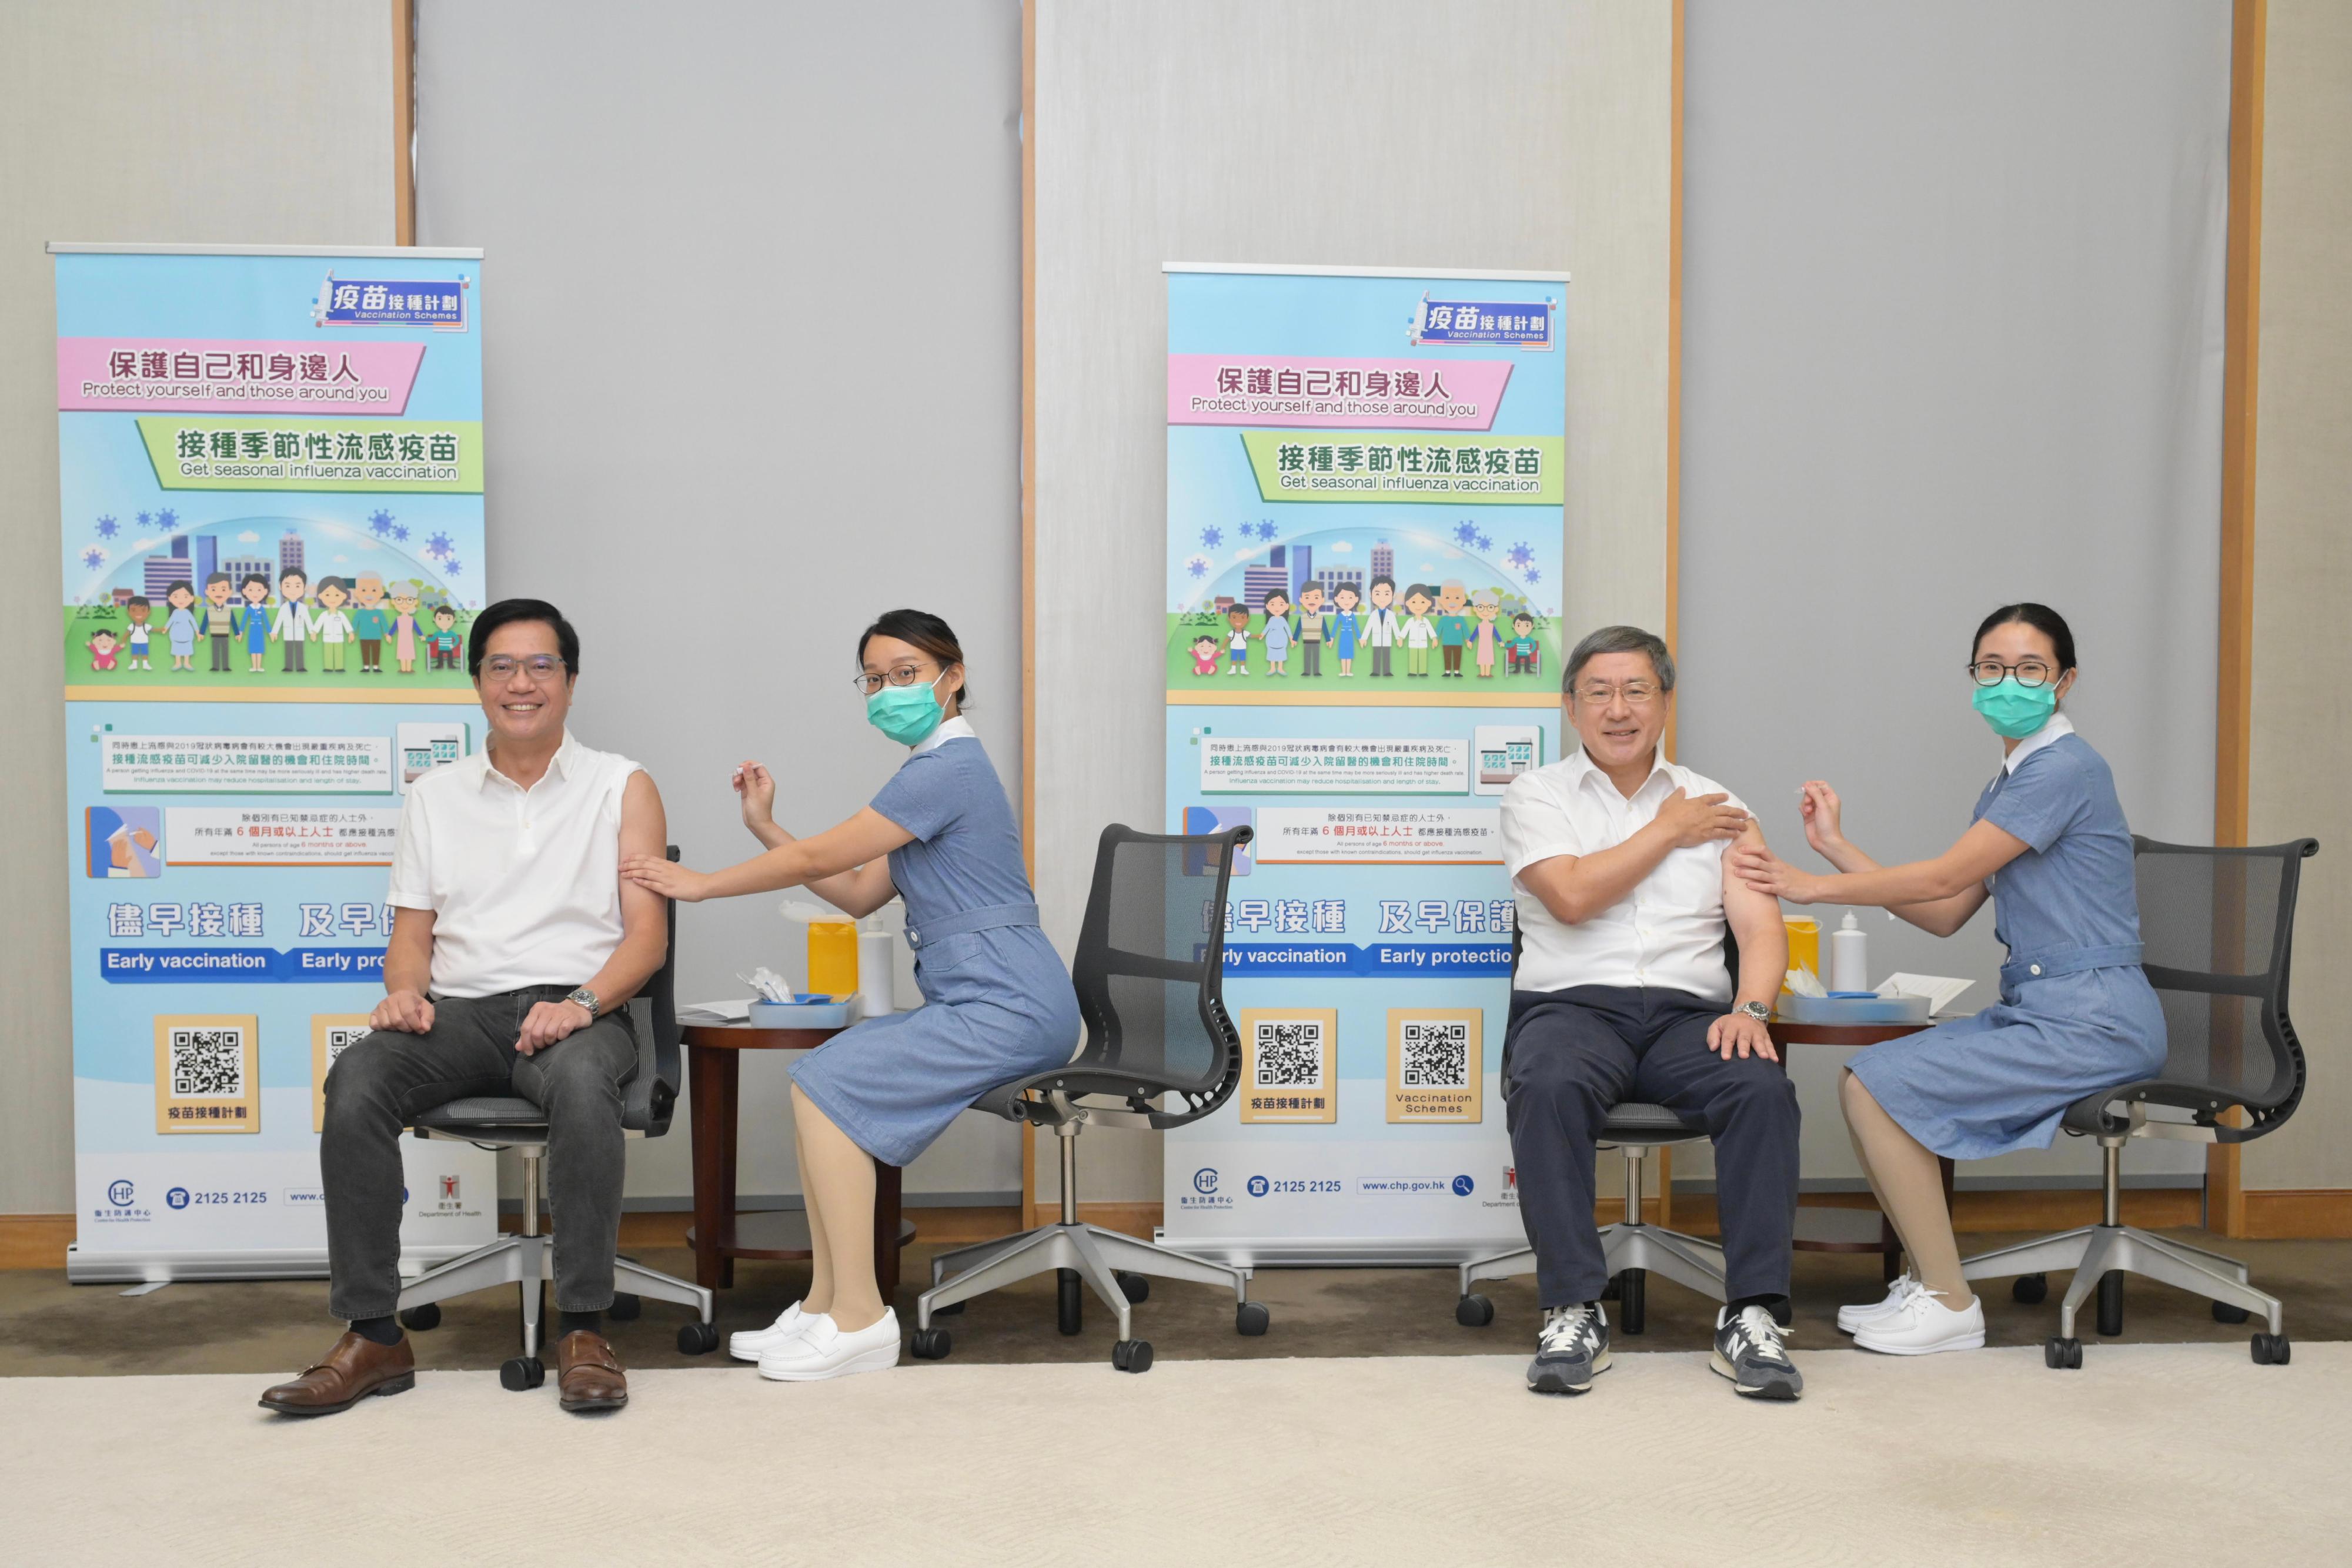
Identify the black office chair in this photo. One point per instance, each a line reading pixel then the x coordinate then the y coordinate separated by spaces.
pixel 2218 924
pixel 510 1122
pixel 1150 982
pixel 1631 1248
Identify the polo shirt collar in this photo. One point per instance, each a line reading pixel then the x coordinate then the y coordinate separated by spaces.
pixel 2058 727
pixel 566 758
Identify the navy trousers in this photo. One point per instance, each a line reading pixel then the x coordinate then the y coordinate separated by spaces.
pixel 1568 1056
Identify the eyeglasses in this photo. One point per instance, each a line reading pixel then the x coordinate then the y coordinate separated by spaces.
pixel 2029 672
pixel 1637 694
pixel 898 675
pixel 502 668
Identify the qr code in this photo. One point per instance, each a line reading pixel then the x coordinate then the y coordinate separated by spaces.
pixel 208 1063
pixel 340 1035
pixel 1290 1054
pixel 1436 1053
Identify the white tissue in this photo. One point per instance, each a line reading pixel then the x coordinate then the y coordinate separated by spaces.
pixel 770 986
pixel 1941 990
pixel 1801 983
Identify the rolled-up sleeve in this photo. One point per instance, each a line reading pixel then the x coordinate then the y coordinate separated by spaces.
pixel 1535 826
pixel 412 859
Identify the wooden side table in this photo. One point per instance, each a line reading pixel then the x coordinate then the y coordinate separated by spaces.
pixel 1820 1228
pixel 713 1080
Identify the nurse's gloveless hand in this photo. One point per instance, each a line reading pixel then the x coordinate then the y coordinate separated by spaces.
pixel 1767 872
pixel 665 877
pixel 1818 804
pixel 757 788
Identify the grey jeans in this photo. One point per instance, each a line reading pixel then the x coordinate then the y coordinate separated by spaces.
pixel 383 1078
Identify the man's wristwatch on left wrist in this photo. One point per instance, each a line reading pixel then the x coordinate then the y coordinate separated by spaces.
pixel 1756 1010
pixel 586 999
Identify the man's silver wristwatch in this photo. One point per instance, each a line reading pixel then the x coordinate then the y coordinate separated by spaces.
pixel 586 999
pixel 1756 1010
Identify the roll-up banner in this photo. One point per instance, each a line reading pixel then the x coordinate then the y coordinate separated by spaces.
pixel 1365 555
pixel 270 491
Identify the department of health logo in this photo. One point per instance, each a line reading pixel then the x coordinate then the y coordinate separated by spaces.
pixel 1464 1187
pixel 121 1193
pixel 1204 1181
pixel 1257 1186
pixel 177 1198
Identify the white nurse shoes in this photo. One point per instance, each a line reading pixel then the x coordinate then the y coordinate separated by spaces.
pixel 1853 1317
pixel 825 1350
pixel 1923 1325
pixel 751 1345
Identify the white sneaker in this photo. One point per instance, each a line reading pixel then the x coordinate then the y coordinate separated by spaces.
pixel 825 1350
pixel 1853 1317
pixel 751 1345
pixel 1923 1325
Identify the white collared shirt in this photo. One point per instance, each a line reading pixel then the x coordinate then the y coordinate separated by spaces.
pixel 955 728
pixel 2058 725
pixel 524 884
pixel 1666 933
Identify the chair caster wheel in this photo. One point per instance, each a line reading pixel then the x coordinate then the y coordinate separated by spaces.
pixel 2065 1354
pixel 626 1308
pixel 950 1309
pixel 1131 1355
pixel 2031 1288
pixel 421 1318
pixel 1473 1312
pixel 2271 1350
pixel 522 1372
pixel 1134 1286
pixel 1251 1317
pixel 698 1339
pixel 2223 1312
pixel 929 1344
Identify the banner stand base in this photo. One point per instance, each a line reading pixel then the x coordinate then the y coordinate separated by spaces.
pixel 289 1263
pixel 1339 1251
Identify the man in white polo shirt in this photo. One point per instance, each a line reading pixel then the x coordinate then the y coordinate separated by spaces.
pixel 1621 994
pixel 514 946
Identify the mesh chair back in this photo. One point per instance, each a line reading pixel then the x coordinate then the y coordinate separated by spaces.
pixel 1149 974
pixel 2218 926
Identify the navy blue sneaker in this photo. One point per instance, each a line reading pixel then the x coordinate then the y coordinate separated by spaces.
pixel 1573 1346
pixel 1748 1350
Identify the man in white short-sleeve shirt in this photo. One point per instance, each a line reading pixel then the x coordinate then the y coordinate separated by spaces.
pixel 1623 994
pixel 515 944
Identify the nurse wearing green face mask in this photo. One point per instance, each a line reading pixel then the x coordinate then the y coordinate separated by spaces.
pixel 2077 1015
pixel 942 836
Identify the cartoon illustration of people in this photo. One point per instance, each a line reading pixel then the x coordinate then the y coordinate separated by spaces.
pixel 220 622
pixel 1486 636
pixel 1204 655
pixel 101 649
pixel 1276 636
pixel 180 626
pixel 1345 624
pixel 369 622
pixel 1312 629
pixel 1520 652
pixel 403 629
pixel 1452 626
pixel 1237 645
pixel 135 646
pixel 444 644
pixel 1420 632
pixel 252 624
pixel 1381 629
pixel 332 624
pixel 293 624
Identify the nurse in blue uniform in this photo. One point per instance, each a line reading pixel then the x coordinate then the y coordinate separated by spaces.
pixel 942 835
pixel 2077 1014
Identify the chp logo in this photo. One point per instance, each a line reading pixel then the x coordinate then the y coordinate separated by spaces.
pixel 121 1193
pixel 1205 1193
pixel 121 1200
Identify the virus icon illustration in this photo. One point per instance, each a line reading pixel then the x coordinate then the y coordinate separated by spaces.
pixel 400 533
pixel 1198 566
pixel 1464 533
pixel 439 544
pixel 94 558
pixel 1533 576
pixel 165 518
pixel 1521 556
pixel 452 567
pixel 379 524
pixel 146 519
pixel 1211 538
pixel 108 528
pixel 1484 544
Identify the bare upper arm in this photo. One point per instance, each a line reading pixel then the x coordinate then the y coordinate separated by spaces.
pixel 1747 911
pixel 644 831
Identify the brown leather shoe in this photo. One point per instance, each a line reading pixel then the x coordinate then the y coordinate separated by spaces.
pixel 355 1368
pixel 588 1375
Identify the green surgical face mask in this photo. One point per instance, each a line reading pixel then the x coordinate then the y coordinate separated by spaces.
pixel 2015 711
pixel 904 714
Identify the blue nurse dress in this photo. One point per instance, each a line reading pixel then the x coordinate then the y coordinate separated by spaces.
pixel 2077 1014
pixel 1000 1004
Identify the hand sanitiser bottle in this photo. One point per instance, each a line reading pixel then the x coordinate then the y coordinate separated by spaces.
pixel 1849 959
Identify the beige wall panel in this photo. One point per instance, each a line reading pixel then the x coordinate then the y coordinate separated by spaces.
pixel 243 121
pixel 1330 133
pixel 2303 555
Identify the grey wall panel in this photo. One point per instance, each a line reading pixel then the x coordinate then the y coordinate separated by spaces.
pixel 233 122
pixel 1332 132
pixel 1952 336
pixel 753 378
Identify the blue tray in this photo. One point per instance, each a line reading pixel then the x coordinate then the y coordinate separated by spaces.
pixel 813 1012
pixel 1852 1009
